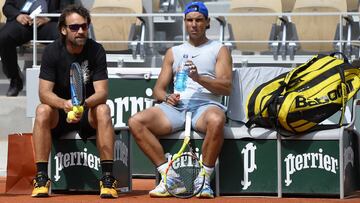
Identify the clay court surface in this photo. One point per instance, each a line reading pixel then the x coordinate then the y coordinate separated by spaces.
pixel 140 195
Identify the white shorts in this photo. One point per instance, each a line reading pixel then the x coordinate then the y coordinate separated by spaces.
pixel 176 115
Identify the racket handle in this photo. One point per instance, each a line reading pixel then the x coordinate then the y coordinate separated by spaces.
pixel 182 149
pixel 188 124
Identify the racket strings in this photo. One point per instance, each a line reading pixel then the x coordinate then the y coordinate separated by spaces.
pixel 187 169
pixel 78 83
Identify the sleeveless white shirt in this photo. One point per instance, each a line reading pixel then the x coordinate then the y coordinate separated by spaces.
pixel 204 57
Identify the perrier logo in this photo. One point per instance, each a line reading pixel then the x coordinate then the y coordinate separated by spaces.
pixel 64 160
pixel 249 164
pixel 296 163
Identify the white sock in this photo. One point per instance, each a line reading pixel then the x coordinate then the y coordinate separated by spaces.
pixel 208 172
pixel 162 168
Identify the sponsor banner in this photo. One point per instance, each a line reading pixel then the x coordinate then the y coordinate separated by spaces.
pixel 122 161
pixel 310 166
pixel 351 163
pixel 126 97
pixel 248 166
pixel 75 164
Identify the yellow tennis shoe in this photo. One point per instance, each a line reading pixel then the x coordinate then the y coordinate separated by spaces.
pixel 41 184
pixel 108 186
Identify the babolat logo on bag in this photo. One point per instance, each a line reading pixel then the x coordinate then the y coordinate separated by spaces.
pixel 299 100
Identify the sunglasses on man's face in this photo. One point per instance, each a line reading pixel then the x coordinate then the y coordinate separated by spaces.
pixel 76 27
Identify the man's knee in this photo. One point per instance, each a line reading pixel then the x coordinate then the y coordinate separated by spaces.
pixel 13 34
pixel 136 125
pixel 44 114
pixel 43 111
pixel 133 122
pixel 4 38
pixel 48 31
pixel 216 119
pixel 103 112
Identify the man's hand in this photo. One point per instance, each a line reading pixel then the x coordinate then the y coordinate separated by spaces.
pixel 67 106
pixel 72 117
pixel 172 99
pixel 24 19
pixel 41 21
pixel 193 73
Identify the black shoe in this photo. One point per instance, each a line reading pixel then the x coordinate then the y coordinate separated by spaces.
pixel 16 85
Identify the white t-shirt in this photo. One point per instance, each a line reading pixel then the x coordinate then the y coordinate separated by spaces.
pixel 204 57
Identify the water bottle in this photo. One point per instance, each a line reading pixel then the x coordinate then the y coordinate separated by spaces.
pixel 182 75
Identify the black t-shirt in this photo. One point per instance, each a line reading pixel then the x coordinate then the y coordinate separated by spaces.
pixel 56 62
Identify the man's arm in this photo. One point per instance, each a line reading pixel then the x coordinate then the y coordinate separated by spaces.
pixel 165 77
pixel 221 84
pixel 100 95
pixel 12 12
pixel 47 96
pixel 10 9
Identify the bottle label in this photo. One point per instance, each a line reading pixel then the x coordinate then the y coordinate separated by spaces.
pixel 180 80
pixel 181 75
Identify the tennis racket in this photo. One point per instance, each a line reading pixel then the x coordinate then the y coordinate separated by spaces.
pixel 77 90
pixel 184 167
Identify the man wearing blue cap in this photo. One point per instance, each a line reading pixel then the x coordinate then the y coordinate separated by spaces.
pixel 209 77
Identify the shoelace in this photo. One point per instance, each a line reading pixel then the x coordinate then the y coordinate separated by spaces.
pixel 172 182
pixel 40 180
pixel 108 181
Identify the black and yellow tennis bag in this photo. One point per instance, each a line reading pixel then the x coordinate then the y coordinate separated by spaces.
pixel 297 101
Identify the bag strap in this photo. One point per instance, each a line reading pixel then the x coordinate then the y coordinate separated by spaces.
pixel 301 68
pixel 344 95
pixel 346 60
pixel 294 72
pixel 275 95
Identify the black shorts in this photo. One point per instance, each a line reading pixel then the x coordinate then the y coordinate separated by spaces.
pixel 83 127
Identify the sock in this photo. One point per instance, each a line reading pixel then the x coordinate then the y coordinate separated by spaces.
pixel 107 166
pixel 162 168
pixel 208 172
pixel 42 167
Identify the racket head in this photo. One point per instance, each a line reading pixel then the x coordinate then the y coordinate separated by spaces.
pixel 77 88
pixel 183 171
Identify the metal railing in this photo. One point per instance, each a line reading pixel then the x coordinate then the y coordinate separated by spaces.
pixel 219 17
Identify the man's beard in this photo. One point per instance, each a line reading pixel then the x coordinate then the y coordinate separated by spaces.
pixel 80 41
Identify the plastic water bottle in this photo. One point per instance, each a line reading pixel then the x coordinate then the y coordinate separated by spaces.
pixel 181 75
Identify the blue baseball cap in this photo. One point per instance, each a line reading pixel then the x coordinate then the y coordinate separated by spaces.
pixel 196 6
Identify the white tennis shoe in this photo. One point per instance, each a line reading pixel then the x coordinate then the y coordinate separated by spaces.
pixel 175 185
pixel 206 192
